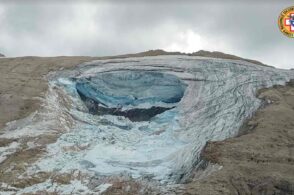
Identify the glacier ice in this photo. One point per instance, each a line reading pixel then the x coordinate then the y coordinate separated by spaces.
pixel 137 95
pixel 204 99
pixel 123 88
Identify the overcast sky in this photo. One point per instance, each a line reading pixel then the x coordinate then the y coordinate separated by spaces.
pixel 99 28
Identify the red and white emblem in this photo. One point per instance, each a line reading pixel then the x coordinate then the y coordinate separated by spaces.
pixel 288 22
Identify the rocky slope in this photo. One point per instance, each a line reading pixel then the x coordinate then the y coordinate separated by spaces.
pixel 261 160
pixel 216 54
pixel 23 79
pixel 200 53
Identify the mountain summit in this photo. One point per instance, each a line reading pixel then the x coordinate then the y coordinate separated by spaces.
pixel 201 53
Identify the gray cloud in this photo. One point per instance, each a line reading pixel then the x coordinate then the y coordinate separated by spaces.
pixel 51 28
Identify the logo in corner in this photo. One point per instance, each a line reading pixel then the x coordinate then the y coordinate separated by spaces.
pixel 286 22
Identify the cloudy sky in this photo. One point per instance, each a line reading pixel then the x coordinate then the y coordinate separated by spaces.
pixel 99 28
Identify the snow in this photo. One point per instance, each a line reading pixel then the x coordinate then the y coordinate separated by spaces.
pixel 103 187
pixel 75 187
pixel 7 189
pixel 8 150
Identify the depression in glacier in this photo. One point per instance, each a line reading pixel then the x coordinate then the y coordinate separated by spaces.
pixel 137 95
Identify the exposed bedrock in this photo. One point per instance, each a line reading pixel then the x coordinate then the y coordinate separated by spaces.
pixel 137 95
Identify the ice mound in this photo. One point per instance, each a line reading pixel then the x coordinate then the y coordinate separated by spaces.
pixel 137 95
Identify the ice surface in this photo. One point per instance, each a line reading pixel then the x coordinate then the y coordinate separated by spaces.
pixel 75 187
pixel 122 88
pixel 8 150
pixel 137 95
pixel 209 100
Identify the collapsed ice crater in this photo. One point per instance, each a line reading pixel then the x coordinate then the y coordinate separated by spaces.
pixel 137 95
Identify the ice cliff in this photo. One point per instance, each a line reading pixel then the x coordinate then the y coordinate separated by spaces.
pixel 137 95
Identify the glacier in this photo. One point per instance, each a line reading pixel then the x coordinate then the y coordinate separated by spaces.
pixel 182 101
